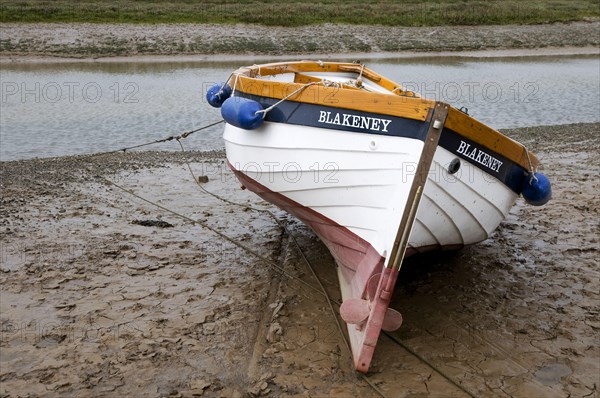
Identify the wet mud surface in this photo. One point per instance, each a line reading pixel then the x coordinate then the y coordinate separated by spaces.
pixel 103 294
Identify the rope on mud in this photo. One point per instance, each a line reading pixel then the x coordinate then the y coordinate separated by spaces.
pixel 222 235
pixel 426 362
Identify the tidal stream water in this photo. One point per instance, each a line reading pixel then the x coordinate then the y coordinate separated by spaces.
pixel 57 109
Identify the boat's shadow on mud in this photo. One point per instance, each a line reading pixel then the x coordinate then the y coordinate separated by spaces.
pixel 421 266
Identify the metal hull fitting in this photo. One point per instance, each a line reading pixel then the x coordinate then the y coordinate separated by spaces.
pixel 377 173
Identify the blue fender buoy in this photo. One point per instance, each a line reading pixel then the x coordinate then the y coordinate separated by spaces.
pixel 537 190
pixel 217 94
pixel 242 112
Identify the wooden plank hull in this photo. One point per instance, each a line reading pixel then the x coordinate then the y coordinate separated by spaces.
pixel 375 171
pixel 362 191
pixel 353 197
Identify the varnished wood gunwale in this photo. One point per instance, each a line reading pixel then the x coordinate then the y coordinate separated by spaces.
pixel 358 100
pixel 486 136
pixel 318 66
pixel 400 103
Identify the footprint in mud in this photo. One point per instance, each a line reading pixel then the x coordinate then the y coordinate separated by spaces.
pixel 153 223
pixel 552 373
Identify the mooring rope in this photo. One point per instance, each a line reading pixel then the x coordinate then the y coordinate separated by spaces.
pixel 267 110
pixel 204 225
pixel 359 78
pixel 225 84
pixel 426 362
pixel 159 141
pixel 531 170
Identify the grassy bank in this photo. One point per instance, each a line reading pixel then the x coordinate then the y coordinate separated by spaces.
pixel 297 13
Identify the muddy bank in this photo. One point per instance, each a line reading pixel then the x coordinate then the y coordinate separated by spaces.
pixel 261 58
pixel 81 40
pixel 104 294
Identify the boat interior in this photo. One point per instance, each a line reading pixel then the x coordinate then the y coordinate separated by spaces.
pixel 351 76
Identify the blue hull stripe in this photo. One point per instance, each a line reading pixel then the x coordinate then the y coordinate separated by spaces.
pixel 333 118
pixel 494 164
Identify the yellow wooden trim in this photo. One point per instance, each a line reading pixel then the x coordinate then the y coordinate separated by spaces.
pixel 313 66
pixel 359 100
pixel 303 79
pixel 484 135
pixel 400 103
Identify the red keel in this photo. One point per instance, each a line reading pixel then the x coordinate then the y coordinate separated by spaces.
pixel 365 333
pixel 362 277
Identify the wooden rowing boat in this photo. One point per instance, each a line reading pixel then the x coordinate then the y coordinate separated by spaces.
pixel 376 171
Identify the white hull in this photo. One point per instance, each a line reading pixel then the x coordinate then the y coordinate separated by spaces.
pixel 366 164
pixel 361 182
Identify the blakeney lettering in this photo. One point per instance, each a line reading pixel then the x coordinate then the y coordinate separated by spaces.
pixel 479 156
pixel 361 122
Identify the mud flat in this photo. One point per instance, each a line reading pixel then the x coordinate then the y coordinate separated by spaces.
pixel 103 294
pixel 86 40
